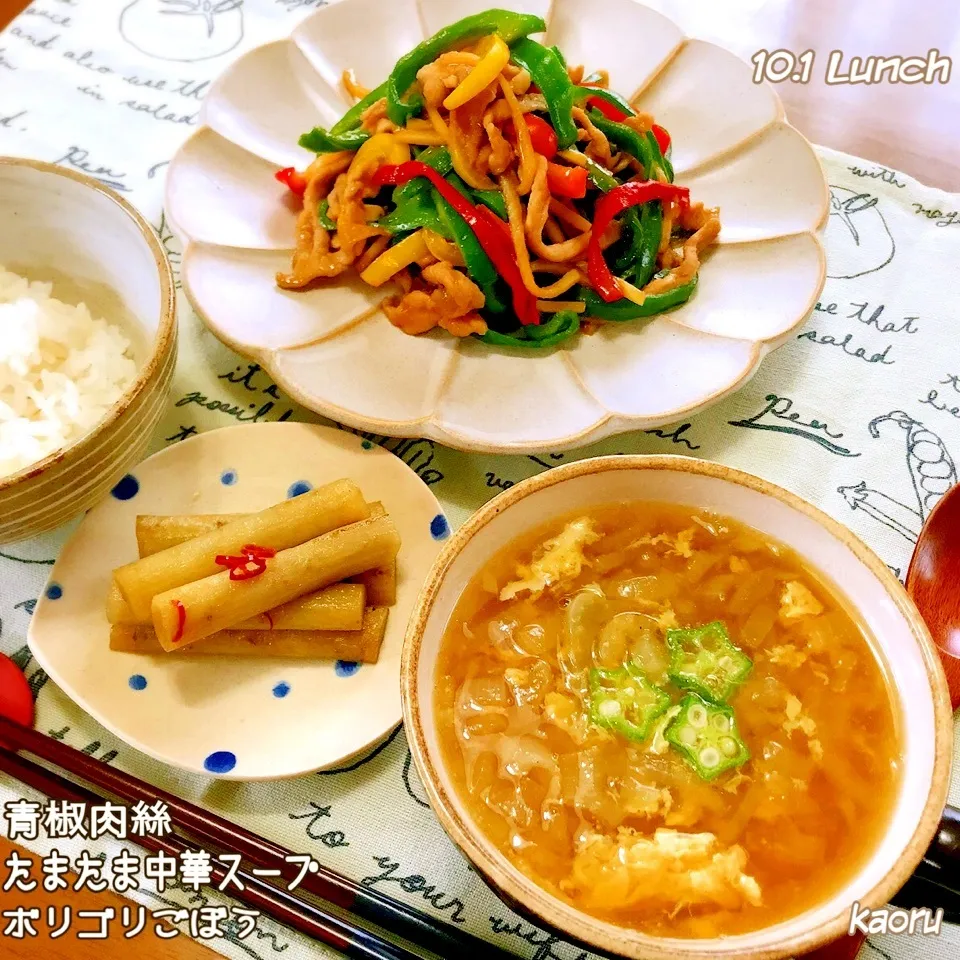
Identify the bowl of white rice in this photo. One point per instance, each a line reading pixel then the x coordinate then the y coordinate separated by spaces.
pixel 87 343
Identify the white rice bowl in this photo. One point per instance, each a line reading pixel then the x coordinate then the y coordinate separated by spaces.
pixel 61 369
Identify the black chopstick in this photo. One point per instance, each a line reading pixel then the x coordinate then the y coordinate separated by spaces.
pixel 282 906
pixel 418 928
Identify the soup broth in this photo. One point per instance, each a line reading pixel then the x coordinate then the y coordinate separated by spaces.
pixel 680 781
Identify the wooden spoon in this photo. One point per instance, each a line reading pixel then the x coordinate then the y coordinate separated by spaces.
pixel 933 581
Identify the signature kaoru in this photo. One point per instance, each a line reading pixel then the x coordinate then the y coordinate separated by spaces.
pixel 918 920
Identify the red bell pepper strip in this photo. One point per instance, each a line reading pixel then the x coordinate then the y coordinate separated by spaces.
pixel 632 194
pixel 490 230
pixel 663 138
pixel 296 182
pixel 567 181
pixel 609 110
pixel 542 136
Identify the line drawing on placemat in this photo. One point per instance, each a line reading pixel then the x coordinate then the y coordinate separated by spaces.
pixel 781 408
pixel 183 31
pixel 409 779
pixel 171 246
pixel 932 473
pixel 857 235
pixel 41 563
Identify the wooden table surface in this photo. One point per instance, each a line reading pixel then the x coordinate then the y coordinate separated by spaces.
pixel 912 128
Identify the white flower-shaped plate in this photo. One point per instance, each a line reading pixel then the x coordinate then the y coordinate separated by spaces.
pixel 234 718
pixel 732 147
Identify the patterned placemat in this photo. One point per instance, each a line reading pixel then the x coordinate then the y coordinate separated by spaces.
pixel 860 413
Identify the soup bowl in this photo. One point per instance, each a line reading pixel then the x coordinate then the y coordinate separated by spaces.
pixel 900 640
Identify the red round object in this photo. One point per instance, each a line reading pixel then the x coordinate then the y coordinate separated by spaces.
pixel 16 700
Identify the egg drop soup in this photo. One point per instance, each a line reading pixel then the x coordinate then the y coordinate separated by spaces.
pixel 668 720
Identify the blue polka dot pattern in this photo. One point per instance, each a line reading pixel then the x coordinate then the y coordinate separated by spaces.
pixel 281 690
pixel 127 488
pixel 138 682
pixel 54 591
pixel 228 478
pixel 439 528
pixel 346 668
pixel 299 488
pixel 223 761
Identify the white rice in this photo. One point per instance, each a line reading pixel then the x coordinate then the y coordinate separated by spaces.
pixel 61 369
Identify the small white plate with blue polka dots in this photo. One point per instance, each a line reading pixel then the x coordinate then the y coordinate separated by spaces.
pixel 234 718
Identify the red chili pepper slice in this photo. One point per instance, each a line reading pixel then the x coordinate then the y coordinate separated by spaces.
pixel 567 181
pixel 490 230
pixel 292 179
pixel 632 194
pixel 251 568
pixel 609 110
pixel 258 553
pixel 663 138
pixel 251 563
pixel 181 620
pixel 542 136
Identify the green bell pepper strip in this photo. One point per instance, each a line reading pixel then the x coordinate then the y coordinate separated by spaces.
pixel 651 228
pixel 626 138
pixel 706 661
pixel 623 254
pixel 561 326
pixel 479 265
pixel 415 213
pixel 599 176
pixel 492 199
pixel 414 203
pixel 509 25
pixel 625 702
pixel 602 93
pixel 323 216
pixel 706 736
pixel 623 310
pixel 636 252
pixel 549 74
pixel 345 134
pixel 439 158
pixel 558 53
pixel 436 157
pixel 658 158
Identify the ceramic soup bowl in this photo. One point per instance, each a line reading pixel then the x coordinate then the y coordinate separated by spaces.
pixel 901 641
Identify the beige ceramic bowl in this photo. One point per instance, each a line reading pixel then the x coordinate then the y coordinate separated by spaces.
pixel 902 642
pixel 60 226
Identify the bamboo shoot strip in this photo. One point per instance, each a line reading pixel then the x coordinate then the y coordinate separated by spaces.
pixel 361 646
pixel 189 612
pixel 338 607
pixel 285 525
pixel 380 584
pixel 156 533
pixel 118 610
